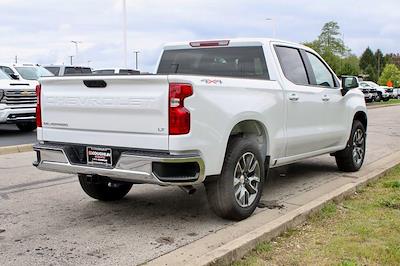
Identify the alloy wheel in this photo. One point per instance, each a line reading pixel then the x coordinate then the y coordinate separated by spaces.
pixel 246 179
pixel 358 146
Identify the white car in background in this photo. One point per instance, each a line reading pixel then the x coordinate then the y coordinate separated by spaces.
pixel 383 95
pixel 396 93
pixel 25 72
pixel 116 71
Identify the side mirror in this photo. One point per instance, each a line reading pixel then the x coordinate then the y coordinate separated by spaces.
pixel 349 83
pixel 14 76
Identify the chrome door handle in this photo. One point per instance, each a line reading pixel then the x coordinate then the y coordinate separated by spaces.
pixel 293 97
pixel 326 98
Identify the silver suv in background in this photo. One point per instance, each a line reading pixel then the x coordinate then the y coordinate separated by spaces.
pixel 62 70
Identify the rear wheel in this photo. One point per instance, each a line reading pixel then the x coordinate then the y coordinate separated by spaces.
pixel 103 189
pixel 352 157
pixel 237 191
pixel 378 98
pixel 26 126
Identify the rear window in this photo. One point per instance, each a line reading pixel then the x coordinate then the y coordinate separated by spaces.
pixel 77 71
pixel 242 62
pixel 54 70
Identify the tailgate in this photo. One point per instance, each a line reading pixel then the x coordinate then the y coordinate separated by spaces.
pixel 130 111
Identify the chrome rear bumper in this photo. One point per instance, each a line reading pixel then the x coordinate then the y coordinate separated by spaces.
pixel 130 167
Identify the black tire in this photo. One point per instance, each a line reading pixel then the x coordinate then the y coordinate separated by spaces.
pixel 386 99
pixel 26 126
pixel 101 189
pixel 378 97
pixel 221 191
pixel 345 159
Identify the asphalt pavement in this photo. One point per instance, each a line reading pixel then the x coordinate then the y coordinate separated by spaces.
pixel 45 217
pixel 11 135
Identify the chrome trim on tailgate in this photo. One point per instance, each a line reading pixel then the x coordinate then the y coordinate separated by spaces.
pixel 130 167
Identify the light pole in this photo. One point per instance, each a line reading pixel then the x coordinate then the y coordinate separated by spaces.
pixel 70 58
pixel 125 38
pixel 273 26
pixel 136 58
pixel 76 48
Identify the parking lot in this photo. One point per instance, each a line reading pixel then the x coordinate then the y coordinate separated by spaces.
pixel 10 135
pixel 47 219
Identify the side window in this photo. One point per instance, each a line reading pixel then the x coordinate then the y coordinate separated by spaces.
pixel 104 71
pixel 292 65
pixel 54 70
pixel 323 76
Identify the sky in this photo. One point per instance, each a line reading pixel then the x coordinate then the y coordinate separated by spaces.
pixel 41 31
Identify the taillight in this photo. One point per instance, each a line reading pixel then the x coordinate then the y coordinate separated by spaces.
pixel 179 116
pixel 210 43
pixel 38 106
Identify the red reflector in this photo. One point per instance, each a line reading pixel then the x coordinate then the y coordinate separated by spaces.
pixel 210 43
pixel 38 106
pixel 179 116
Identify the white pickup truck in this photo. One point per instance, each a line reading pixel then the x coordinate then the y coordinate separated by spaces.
pixel 217 112
pixel 17 102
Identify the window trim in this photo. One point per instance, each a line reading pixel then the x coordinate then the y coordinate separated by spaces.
pixel 308 68
pixel 311 71
pixel 302 59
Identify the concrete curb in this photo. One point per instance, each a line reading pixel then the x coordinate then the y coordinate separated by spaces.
pixel 382 105
pixel 15 149
pixel 210 250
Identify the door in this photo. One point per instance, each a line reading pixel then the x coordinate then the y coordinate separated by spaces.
pixel 334 109
pixel 305 114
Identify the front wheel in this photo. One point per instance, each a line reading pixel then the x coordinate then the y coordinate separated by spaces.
pixel 236 193
pixel 102 189
pixel 352 157
pixel 26 126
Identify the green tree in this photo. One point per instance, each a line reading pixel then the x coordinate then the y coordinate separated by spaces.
pixel 349 66
pixel 371 72
pixel 388 59
pixel 380 61
pixel 330 40
pixel 390 73
pixel 367 59
pixel 330 46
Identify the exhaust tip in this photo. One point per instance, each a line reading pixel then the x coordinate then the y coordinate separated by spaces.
pixel 189 189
